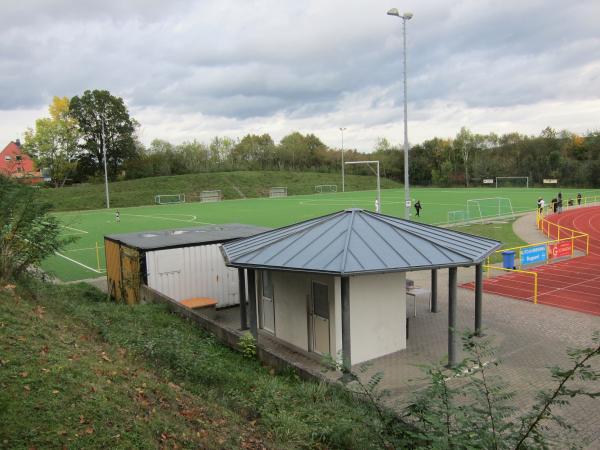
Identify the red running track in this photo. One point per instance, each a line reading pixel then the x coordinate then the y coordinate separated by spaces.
pixel 572 284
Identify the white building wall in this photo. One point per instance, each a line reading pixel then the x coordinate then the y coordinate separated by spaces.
pixel 196 271
pixel 377 315
pixel 292 295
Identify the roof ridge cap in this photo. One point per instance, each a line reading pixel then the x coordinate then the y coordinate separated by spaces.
pixel 348 231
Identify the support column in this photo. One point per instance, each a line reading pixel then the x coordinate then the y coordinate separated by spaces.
pixel 346 346
pixel 434 304
pixel 252 303
pixel 242 289
pixel 478 298
pixel 452 272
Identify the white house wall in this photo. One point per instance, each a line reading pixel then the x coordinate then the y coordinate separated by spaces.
pixel 377 315
pixel 291 292
pixel 195 271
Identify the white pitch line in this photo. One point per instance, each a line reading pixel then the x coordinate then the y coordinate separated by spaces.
pixel 75 229
pixel 168 218
pixel 77 262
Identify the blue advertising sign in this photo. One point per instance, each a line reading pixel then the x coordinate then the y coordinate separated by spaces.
pixel 532 255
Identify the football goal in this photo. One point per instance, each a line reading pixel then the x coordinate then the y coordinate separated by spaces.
pixel 211 196
pixel 280 191
pixel 168 199
pixel 482 209
pixel 321 188
pixel 519 182
pixel 456 217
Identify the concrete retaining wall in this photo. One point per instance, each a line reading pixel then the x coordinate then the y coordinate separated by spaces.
pixel 228 336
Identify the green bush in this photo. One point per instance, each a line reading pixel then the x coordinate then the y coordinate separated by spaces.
pixel 28 234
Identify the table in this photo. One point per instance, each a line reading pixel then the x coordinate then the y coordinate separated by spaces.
pixel 418 291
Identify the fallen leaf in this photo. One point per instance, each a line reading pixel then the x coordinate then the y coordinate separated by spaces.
pixel 89 430
pixel 27 388
pixel 81 419
pixel 105 357
pixel 55 392
pixel 24 374
pixel 39 311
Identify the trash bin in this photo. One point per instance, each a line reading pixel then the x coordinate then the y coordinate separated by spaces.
pixel 508 259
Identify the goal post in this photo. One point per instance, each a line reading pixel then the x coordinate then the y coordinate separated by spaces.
pixel 368 163
pixel 322 188
pixel 480 209
pixel 519 182
pixel 169 199
pixel 211 196
pixel 278 191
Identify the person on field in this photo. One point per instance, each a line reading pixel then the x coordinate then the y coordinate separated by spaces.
pixel 117 216
pixel 559 202
pixel 377 205
pixel 578 198
pixel 539 205
pixel 554 202
pixel 542 205
pixel 418 207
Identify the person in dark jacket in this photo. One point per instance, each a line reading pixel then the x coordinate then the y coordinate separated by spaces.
pixel 418 207
pixel 578 198
pixel 554 202
pixel 559 202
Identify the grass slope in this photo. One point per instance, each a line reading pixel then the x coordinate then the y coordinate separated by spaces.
pixel 78 371
pixel 251 184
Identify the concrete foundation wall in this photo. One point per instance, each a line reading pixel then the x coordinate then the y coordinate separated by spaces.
pixel 377 315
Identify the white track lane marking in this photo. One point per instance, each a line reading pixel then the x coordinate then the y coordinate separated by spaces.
pixel 77 262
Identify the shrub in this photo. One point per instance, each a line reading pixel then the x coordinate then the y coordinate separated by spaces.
pixel 28 234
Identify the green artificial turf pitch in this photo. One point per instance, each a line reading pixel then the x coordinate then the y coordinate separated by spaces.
pixel 79 260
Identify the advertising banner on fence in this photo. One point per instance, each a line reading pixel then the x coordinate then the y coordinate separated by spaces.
pixel 533 255
pixel 560 249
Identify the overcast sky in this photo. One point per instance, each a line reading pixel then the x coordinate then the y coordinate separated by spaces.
pixel 193 69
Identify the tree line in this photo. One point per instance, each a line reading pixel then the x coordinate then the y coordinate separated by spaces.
pixel 70 143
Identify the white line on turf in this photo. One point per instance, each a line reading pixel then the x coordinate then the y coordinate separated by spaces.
pixel 77 262
pixel 193 220
pixel 75 229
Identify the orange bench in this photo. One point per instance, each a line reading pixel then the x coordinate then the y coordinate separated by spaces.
pixel 204 305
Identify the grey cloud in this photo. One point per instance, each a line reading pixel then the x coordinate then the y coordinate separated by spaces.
pixel 256 59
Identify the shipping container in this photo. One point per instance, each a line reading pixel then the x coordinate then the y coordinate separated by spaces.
pixel 181 264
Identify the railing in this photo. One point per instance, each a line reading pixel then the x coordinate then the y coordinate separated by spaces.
pixel 489 268
pixel 575 236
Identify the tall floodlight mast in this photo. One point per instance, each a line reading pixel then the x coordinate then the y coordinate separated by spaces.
pixel 406 16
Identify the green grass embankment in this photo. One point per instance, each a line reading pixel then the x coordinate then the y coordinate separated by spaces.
pixel 251 184
pixel 77 371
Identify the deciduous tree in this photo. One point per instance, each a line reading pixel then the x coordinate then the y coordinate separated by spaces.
pixel 103 119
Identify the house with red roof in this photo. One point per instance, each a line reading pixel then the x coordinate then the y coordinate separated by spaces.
pixel 15 163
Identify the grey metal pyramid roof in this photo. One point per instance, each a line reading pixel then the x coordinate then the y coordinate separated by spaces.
pixel 356 241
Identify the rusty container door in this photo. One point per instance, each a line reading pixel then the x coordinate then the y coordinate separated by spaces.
pixel 113 268
pixel 130 275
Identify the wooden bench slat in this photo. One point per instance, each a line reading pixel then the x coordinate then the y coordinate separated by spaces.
pixel 199 302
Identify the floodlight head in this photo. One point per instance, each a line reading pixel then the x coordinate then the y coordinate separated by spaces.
pixel 393 12
pixel 407 16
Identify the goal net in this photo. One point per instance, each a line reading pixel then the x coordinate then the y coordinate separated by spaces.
pixel 487 208
pixel 211 196
pixel 280 191
pixel 167 199
pixel 456 217
pixel 518 182
pixel 321 188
